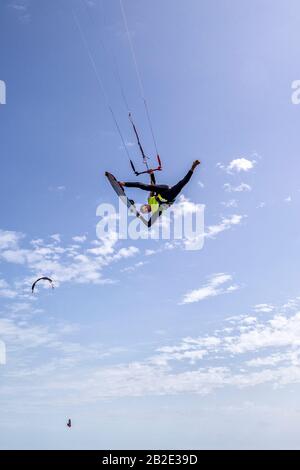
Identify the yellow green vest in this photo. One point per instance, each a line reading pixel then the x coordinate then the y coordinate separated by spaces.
pixel 155 202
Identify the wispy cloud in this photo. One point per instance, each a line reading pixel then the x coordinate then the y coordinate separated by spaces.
pixel 230 204
pixel 6 291
pixel 243 187
pixel 225 224
pixel 21 7
pixel 264 308
pixel 131 269
pixel 57 189
pixel 9 239
pixel 56 237
pixel 264 352
pixel 127 144
pixel 80 238
pixel 280 331
pixel 214 287
pixel 62 262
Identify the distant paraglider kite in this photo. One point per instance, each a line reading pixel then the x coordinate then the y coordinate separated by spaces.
pixel 42 279
pixel 69 423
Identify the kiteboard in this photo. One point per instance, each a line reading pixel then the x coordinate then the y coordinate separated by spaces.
pixel 122 195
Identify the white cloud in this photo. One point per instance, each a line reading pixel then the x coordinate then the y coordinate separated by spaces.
pixel 288 199
pixel 230 204
pixel 211 289
pixel 57 189
pixel 124 253
pixel 104 247
pixel 80 239
pixel 243 187
pixel 18 7
pixel 238 165
pixel 56 237
pixel 70 263
pixel 263 308
pixel 9 240
pixel 241 164
pixel 225 224
pixel 16 256
pixel 128 144
pixel 190 350
pixel 6 291
pixel 131 269
pixel 249 354
pixel 21 7
pixel 280 331
pixel 150 252
pixel 291 304
pixel 272 360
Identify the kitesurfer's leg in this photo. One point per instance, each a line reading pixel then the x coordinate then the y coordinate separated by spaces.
pixel 146 187
pixel 177 188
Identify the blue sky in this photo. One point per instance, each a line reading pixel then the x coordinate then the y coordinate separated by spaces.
pixel 145 344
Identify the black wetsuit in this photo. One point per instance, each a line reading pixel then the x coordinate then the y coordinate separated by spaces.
pixel 169 193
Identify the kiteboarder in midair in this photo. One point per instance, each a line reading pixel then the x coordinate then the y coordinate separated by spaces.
pixel 161 194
